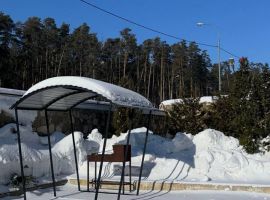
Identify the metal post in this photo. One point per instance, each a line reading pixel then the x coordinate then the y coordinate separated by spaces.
pixel 130 175
pixel 144 150
pixel 20 153
pixel 124 165
pixel 50 151
pixel 219 67
pixel 103 151
pixel 122 182
pixel 87 175
pixel 125 158
pixel 95 174
pixel 74 149
pixel 218 48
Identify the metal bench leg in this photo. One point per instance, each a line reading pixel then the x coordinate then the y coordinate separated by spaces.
pixel 130 175
pixel 95 175
pixel 87 175
pixel 123 183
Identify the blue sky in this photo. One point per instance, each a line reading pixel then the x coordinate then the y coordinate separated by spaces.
pixel 243 24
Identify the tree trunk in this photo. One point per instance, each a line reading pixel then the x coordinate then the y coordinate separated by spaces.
pixel 125 63
pixel 138 74
pixel 161 76
pixel 46 69
pixel 80 68
pixel 60 61
pixel 149 81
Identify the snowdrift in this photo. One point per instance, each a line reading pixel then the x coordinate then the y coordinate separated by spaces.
pixel 207 156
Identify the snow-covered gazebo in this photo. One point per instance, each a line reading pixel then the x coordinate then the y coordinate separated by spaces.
pixel 66 93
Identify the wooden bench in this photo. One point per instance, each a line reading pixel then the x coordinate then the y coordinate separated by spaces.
pixel 118 155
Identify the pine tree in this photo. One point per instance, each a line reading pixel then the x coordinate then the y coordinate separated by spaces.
pixel 6 38
pixel 185 117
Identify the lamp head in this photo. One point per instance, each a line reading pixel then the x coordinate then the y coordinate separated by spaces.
pixel 200 23
pixel 231 61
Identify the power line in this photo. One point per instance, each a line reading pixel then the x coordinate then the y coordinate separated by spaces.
pixel 151 29
pixel 226 51
pixel 143 26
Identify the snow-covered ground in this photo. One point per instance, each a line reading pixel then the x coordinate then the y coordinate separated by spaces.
pixel 69 192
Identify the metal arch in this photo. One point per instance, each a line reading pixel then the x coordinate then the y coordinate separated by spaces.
pixel 15 105
pixel 84 99
pixel 30 108
pixel 75 104
pixel 60 97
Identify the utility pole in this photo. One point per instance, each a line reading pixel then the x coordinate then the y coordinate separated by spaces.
pixel 200 24
pixel 219 67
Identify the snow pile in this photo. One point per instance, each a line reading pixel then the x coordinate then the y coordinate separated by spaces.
pixel 65 151
pixel 35 162
pixel 207 156
pixel 210 139
pixel 35 155
pixel 221 158
pixel 95 139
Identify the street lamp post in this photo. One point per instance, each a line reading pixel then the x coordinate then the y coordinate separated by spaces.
pixel 219 67
pixel 200 24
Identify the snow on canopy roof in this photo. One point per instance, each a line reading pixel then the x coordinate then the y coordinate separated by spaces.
pixel 65 92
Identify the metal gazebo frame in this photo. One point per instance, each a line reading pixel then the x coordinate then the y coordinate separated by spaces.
pixel 65 98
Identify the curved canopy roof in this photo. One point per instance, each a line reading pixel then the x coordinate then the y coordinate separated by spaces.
pixel 66 92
